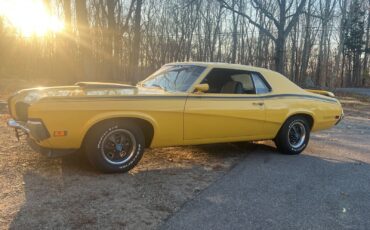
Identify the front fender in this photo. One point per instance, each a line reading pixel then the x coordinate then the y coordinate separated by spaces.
pixel 117 114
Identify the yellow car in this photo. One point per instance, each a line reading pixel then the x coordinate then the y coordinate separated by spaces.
pixel 180 104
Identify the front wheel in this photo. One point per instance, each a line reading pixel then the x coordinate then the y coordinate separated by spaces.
pixel 115 146
pixel 293 136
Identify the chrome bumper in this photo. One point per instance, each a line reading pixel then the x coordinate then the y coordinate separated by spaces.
pixel 340 119
pixel 17 125
pixel 35 129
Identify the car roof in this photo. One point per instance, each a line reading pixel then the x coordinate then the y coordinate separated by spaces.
pixel 221 65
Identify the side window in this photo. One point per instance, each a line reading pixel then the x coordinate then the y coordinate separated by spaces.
pixel 246 81
pixel 233 81
pixel 229 81
pixel 260 84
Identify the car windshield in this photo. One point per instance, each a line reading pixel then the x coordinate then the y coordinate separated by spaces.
pixel 176 78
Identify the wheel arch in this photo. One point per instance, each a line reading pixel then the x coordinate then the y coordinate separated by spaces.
pixel 307 115
pixel 146 123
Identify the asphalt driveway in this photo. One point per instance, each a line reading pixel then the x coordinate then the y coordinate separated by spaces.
pixel 327 187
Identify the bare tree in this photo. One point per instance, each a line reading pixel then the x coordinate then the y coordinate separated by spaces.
pixel 339 58
pixel 283 19
pixel 84 42
pixel 365 68
pixel 326 15
pixel 308 41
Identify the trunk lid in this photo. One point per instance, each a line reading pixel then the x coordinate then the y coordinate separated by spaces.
pixel 321 92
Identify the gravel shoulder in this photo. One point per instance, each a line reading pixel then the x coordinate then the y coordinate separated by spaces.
pixel 39 192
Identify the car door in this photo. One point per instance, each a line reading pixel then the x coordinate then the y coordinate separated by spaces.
pixel 220 115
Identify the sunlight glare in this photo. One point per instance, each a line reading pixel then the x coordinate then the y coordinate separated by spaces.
pixel 30 17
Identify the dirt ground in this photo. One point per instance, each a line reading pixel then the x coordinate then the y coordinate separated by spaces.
pixel 39 192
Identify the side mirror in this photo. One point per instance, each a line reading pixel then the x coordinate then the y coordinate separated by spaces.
pixel 201 88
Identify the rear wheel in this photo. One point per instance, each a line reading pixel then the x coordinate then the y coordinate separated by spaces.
pixel 115 146
pixel 293 136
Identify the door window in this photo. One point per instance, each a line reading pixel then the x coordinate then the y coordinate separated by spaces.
pixel 230 81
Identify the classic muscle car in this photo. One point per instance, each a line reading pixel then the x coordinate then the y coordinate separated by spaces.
pixel 180 104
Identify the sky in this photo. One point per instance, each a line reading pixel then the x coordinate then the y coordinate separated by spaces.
pixel 29 17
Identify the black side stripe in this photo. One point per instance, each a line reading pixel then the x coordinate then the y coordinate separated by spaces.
pixel 155 97
pixel 266 97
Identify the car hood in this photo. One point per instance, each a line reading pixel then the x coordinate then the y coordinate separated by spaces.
pixel 33 95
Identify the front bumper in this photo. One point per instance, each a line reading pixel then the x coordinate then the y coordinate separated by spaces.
pixel 38 132
pixel 33 128
pixel 340 119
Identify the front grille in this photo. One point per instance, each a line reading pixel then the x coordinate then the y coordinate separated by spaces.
pixel 21 111
pixel 10 107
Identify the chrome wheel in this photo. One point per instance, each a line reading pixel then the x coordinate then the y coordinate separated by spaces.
pixel 296 134
pixel 118 146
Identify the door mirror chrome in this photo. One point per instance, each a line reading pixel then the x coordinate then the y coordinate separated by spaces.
pixel 201 88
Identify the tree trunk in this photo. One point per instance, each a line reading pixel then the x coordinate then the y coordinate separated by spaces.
pixel 322 66
pixel 280 52
pixel 67 51
pixel 84 42
pixel 365 68
pixel 306 48
pixel 260 49
pixel 280 40
pixel 235 35
pixel 136 43
pixel 356 69
pixel 338 68
pixel 110 65
pixel 322 59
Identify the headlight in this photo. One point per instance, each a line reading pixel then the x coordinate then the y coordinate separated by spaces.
pixel 21 110
pixel 32 97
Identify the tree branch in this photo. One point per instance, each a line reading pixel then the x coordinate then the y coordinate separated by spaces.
pixel 265 11
pixel 295 17
pixel 260 27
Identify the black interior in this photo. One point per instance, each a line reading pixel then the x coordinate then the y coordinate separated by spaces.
pixel 233 87
pixel 220 81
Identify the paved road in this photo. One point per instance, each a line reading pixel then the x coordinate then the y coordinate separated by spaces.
pixel 359 91
pixel 327 187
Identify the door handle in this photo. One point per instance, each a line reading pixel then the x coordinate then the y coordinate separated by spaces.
pixel 258 103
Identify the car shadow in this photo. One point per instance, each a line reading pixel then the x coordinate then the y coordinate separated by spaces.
pixel 71 194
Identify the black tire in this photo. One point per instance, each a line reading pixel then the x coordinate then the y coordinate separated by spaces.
pixel 114 159
pixel 290 142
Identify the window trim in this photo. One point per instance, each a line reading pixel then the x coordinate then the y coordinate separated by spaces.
pixel 208 70
pixel 264 81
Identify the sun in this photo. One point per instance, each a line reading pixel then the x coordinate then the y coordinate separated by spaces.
pixel 30 17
